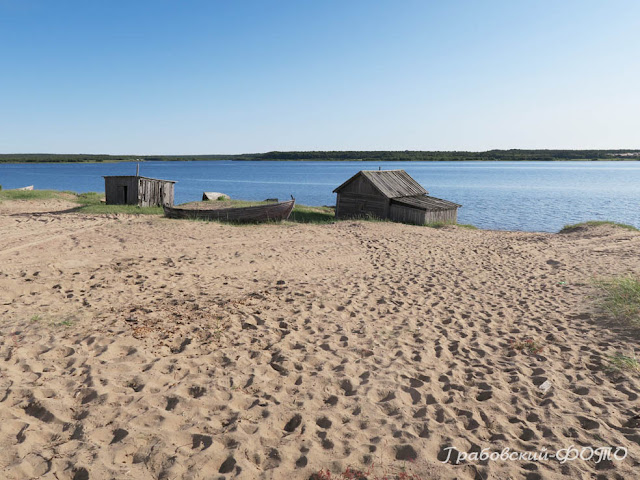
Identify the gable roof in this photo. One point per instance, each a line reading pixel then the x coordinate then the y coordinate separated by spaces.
pixel 390 183
pixel 425 202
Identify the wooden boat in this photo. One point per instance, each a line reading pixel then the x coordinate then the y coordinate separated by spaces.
pixel 271 212
pixel 30 187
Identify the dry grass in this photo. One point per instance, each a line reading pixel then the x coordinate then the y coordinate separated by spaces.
pixel 594 223
pixel 621 298
pixel 528 345
pixel 623 363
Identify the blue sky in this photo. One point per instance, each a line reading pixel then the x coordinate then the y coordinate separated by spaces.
pixel 188 77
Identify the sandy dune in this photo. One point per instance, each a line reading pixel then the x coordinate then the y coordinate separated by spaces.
pixel 141 347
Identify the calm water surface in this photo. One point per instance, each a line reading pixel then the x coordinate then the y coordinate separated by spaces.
pixel 532 196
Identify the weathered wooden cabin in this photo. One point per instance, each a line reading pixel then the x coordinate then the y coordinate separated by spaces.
pixel 392 195
pixel 137 190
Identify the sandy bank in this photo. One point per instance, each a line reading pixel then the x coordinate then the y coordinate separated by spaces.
pixel 150 348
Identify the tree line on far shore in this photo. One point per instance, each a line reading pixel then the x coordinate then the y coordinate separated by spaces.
pixel 379 156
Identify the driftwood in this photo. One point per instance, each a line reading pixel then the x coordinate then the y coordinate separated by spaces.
pixel 259 213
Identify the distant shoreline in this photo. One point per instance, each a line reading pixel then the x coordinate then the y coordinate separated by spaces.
pixel 343 156
pixel 85 162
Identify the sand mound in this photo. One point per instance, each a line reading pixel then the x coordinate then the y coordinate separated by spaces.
pixel 597 230
pixel 30 207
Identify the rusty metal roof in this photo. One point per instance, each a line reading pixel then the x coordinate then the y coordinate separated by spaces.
pixel 391 183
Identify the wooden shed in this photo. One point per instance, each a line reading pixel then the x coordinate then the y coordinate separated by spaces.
pixel 137 190
pixel 392 195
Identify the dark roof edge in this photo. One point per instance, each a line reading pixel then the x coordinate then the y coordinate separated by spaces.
pixel 448 204
pixel 140 176
pixel 443 200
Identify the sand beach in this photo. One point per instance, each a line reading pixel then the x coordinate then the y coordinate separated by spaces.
pixel 136 347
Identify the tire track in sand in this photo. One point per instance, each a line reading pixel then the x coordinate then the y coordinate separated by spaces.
pixel 50 238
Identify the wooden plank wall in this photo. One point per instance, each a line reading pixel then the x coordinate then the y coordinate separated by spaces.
pixel 111 185
pixel 146 193
pixel 401 213
pixel 360 198
pixel 167 197
pixel 442 216
pixel 350 205
pixel 361 186
pixel 155 193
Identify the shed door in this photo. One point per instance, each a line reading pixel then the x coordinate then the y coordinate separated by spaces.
pixel 121 194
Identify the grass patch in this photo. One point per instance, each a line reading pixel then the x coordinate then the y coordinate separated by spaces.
pixel 594 223
pixel 92 203
pixel 438 224
pixel 621 298
pixel 528 345
pixel 89 198
pixel 89 202
pixel 63 323
pixel 367 217
pixel 446 224
pixel 622 363
pixel 308 214
pixel 468 226
pixel 34 195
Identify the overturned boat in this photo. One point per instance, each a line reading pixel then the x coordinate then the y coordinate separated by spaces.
pixel 270 212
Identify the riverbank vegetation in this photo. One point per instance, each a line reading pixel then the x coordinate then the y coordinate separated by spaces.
pixel 93 202
pixel 595 223
pixel 375 156
pixel 35 195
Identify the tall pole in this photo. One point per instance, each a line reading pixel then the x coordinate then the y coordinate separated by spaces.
pixel 137 169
